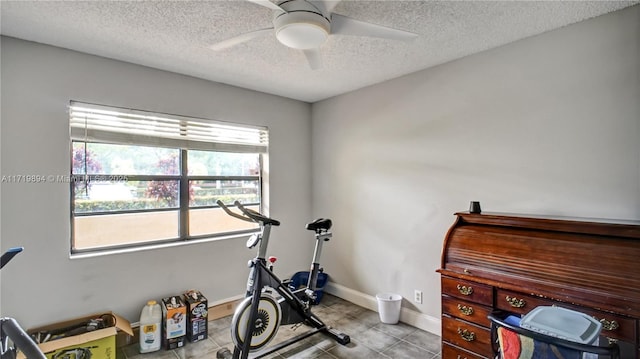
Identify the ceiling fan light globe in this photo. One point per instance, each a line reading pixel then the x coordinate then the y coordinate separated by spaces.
pixel 302 35
pixel 302 29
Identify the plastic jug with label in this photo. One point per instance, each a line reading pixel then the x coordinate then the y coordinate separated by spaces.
pixel 150 327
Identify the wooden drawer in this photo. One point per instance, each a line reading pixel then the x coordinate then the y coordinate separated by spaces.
pixel 467 336
pixel 469 311
pixel 451 352
pixel 467 290
pixel 614 326
pixel 519 303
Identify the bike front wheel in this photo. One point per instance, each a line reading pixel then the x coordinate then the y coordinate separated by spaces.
pixel 265 326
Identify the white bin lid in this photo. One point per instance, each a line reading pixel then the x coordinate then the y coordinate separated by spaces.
pixel 562 323
pixel 388 297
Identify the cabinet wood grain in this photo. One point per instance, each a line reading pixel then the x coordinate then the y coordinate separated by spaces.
pixel 515 263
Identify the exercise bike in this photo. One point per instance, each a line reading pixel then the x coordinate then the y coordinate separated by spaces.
pixel 269 303
pixel 11 330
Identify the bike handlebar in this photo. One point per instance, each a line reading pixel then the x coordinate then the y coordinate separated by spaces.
pixel 9 327
pixel 6 257
pixel 232 214
pixel 249 214
pixel 20 339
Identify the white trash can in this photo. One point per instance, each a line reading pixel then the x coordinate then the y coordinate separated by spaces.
pixel 389 307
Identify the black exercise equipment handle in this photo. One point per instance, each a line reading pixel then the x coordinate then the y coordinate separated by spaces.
pixel 255 216
pixel 249 214
pixel 232 214
pixel 12 329
pixel 6 257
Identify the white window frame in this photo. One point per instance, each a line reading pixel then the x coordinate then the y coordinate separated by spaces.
pixel 92 123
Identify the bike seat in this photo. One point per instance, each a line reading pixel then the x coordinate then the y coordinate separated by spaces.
pixel 319 224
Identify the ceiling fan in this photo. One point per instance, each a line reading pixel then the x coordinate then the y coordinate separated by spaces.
pixel 306 24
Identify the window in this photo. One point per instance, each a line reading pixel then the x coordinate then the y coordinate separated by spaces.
pixel 140 178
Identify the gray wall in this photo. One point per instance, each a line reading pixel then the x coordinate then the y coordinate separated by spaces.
pixel 43 284
pixel 546 125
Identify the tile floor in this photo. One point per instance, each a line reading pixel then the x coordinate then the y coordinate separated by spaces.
pixel 370 338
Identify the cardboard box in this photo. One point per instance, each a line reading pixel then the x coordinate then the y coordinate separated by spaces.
pixel 96 344
pixel 174 322
pixel 197 311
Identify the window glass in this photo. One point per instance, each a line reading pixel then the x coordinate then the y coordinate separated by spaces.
pixel 164 187
pixel 205 221
pixel 124 229
pixel 207 192
pixel 223 163
pixel 103 158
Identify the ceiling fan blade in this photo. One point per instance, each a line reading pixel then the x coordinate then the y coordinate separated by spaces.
pixel 343 25
pixel 326 6
pixel 314 57
pixel 267 3
pixel 236 40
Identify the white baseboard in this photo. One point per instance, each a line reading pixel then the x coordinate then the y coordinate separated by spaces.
pixel 408 316
pixel 227 300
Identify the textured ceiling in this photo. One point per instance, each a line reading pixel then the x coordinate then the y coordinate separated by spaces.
pixel 176 35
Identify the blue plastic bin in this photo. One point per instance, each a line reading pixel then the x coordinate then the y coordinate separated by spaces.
pixel 301 279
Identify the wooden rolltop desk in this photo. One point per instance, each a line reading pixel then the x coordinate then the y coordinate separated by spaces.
pixel 515 263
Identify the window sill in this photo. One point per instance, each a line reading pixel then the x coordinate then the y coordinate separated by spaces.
pixel 155 246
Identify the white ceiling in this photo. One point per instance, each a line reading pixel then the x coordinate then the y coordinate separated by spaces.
pixel 176 35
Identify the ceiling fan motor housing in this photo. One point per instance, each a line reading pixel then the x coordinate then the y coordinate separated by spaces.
pixel 302 26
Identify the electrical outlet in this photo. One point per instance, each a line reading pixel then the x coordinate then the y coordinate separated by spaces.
pixel 417 296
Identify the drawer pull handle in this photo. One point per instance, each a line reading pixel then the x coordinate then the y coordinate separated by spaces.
pixel 467 335
pixel 612 341
pixel 609 324
pixel 465 310
pixel 464 290
pixel 515 302
pixel 459 357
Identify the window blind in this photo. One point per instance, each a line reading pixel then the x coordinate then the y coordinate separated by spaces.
pixel 97 123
